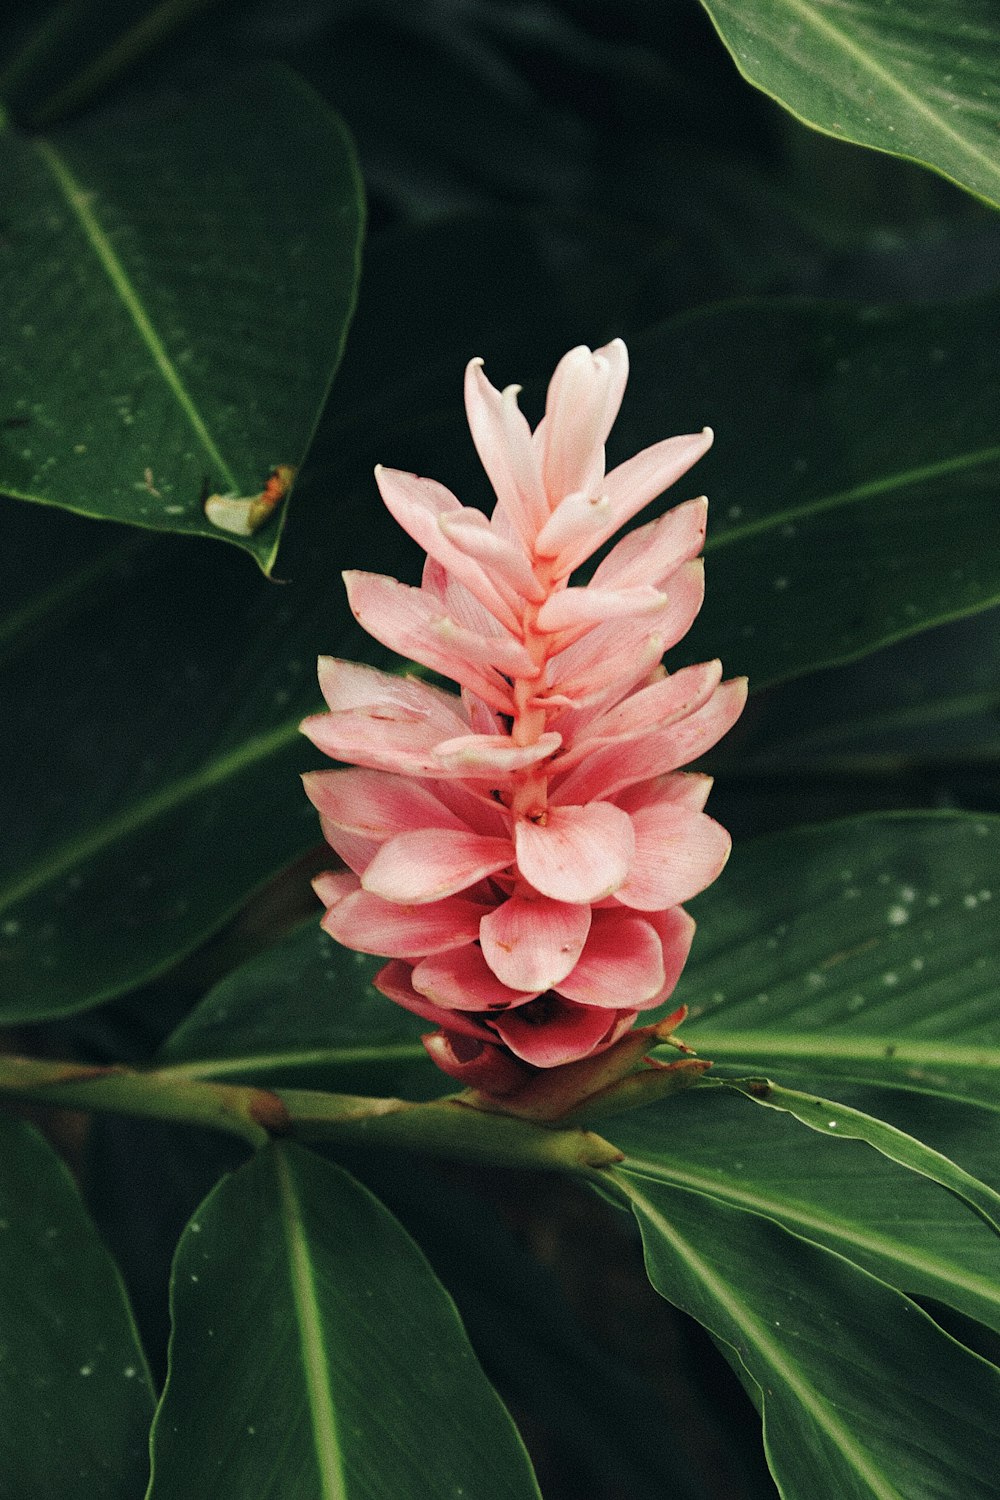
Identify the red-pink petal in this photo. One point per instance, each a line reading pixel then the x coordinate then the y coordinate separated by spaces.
pixel 621 965
pixel 375 804
pixel 369 924
pixel 677 854
pixel 576 854
pixel 429 864
pixel 531 943
pixel 461 979
pixel 676 931
pixel 333 885
pixel 489 1069
pixel 551 1031
pixel 688 789
pixel 394 982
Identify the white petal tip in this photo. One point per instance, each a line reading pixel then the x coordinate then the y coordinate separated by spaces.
pixel 708 433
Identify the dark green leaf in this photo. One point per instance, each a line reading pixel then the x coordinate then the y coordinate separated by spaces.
pixel 315 1354
pixel 864 950
pixel 74 1388
pixel 854 474
pixel 896 1224
pixel 182 285
pixel 304 1014
pixel 917 78
pixel 861 1394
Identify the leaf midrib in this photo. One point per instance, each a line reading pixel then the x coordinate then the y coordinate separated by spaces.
pixel 78 201
pixel 304 1057
pixel 760 1334
pixel 853 495
pixel 893 84
pixel 796 1044
pixel 64 858
pixel 787 1211
pixel 315 1368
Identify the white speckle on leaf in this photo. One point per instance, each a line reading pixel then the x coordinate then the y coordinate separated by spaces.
pixel 890 979
pixel 897 916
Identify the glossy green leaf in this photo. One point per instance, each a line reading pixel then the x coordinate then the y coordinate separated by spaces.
pixel 906 1414
pixel 304 1014
pixel 182 284
pixel 863 950
pixel 917 78
pixel 896 1224
pixel 853 477
pixel 314 1354
pixel 74 1387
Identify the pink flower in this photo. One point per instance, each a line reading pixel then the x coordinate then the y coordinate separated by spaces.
pixel 521 852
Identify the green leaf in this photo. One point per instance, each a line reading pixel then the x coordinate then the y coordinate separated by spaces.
pixel 304 1014
pixel 917 79
pixel 182 288
pixel 853 1124
pixel 864 950
pixel 314 1354
pixel 861 1394
pixel 853 477
pixel 894 1223
pixel 74 1387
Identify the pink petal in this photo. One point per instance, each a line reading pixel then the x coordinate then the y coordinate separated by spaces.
pixel 502 560
pixel 577 854
pixel 551 1031
pixel 676 930
pixel 572 608
pixel 616 766
pixel 677 854
pixel 664 702
pixel 461 979
pixel 369 924
pixel 482 755
pixel 347 685
pixel 428 864
pixel 410 621
pixel 608 660
pixel 376 804
pixel 370 738
pixel 531 943
pixel 688 789
pixel 490 1070
pixel 420 506
pixel 503 441
pixel 394 982
pixel 575 536
pixel 581 405
pixel 621 965
pixel 333 885
pixel 650 553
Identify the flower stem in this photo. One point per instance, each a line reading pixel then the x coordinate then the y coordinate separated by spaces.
pixel 444 1127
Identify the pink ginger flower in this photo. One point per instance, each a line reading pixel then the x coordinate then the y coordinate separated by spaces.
pixel 521 852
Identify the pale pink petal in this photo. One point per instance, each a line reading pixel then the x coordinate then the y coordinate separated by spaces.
pixel 348 685
pixel 677 854
pixel 688 789
pixel 410 621
pixel 376 804
pixel 503 441
pixel 333 885
pixel 582 402
pixel 621 965
pixel 572 537
pixel 551 1031
pixel 531 943
pixel 676 931
pixel 395 983
pixel 428 864
pixel 650 553
pixel 572 608
pixel 616 766
pixel 595 667
pixel 504 562
pixel 489 1069
pixel 483 755
pixel 664 702
pixel 576 854
pixel 369 924
pixel 370 738
pixel 420 506
pixel 461 979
